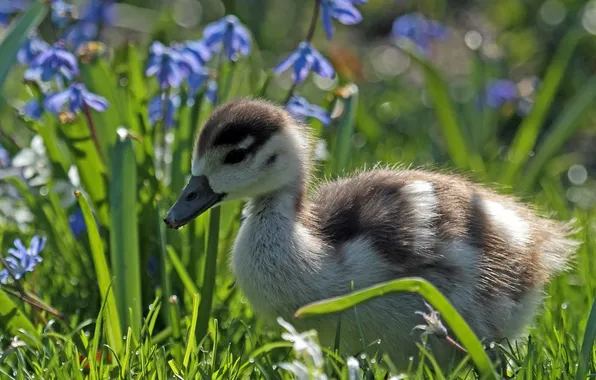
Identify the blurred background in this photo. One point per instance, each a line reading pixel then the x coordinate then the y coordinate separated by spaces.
pixel 513 40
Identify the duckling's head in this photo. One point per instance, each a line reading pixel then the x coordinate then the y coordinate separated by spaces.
pixel 246 149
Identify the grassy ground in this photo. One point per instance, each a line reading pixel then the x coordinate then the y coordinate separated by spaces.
pixel 124 298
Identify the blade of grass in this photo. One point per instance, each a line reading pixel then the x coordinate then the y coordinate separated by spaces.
pixel 124 237
pixel 562 129
pixel 102 272
pixel 587 345
pixel 17 35
pixel 12 320
pixel 528 131
pixel 187 281
pixel 434 297
pixel 89 165
pixel 452 131
pixel 208 287
pixel 346 127
pixel 191 341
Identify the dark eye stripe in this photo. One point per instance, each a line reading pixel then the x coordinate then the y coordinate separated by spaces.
pixel 235 156
pixel 236 121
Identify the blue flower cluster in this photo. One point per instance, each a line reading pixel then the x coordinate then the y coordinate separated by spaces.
pixel 55 66
pixel 187 62
pixel 93 15
pixel 499 92
pixel 306 58
pixel 418 30
pixel 22 259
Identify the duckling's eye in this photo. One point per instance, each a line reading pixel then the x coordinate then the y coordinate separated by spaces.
pixel 235 156
pixel 191 196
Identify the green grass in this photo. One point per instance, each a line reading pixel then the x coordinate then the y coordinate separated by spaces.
pixel 186 318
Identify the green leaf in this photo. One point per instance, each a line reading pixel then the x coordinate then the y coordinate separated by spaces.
pixel 587 345
pixel 91 170
pixel 526 136
pixel 563 127
pixel 100 79
pixel 434 297
pixel 343 142
pixel 191 340
pixel 452 131
pixel 17 35
pixel 187 281
pixel 13 320
pixel 135 73
pixel 208 288
pixel 124 237
pixel 102 272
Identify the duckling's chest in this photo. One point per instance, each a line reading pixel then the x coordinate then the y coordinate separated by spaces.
pixel 278 266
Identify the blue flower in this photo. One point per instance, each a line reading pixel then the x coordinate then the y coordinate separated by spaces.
pixel 419 30
pixel 77 96
pixel 9 8
pixel 157 109
pixel 186 60
pixel 76 222
pixel 33 109
pixel 23 259
pixel 61 13
pixel 343 11
pixel 4 158
pixel 304 59
pixel 80 33
pixel 31 49
pixel 500 91
pixel 300 108
pixel 99 12
pixel 198 49
pixel 96 13
pixel 51 62
pixel 196 80
pixel 230 34
pixel 167 65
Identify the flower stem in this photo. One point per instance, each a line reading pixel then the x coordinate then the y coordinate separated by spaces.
pixel 309 36
pixel 93 132
pixel 313 21
pixel 35 302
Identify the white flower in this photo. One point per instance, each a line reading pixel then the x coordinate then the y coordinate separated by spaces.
pixel 353 369
pixel 304 343
pixel 301 371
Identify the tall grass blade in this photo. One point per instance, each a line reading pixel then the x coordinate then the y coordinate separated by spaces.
pixel 191 340
pixel 587 345
pixel 187 281
pixel 124 237
pixel 91 170
pixel 526 136
pixel 17 35
pixel 563 127
pixel 114 331
pixel 208 287
pixel 434 297
pixel 452 131
pixel 12 320
pixel 346 127
pixel 100 79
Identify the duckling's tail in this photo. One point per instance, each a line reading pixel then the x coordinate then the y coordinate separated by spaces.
pixel 559 247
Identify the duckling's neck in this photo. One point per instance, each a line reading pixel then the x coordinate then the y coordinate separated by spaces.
pixel 277 261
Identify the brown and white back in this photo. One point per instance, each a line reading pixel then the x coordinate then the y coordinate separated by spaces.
pixel 489 254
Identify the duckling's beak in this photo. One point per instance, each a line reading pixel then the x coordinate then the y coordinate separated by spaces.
pixel 196 198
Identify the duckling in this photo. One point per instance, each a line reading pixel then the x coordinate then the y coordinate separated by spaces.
pixel 489 254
